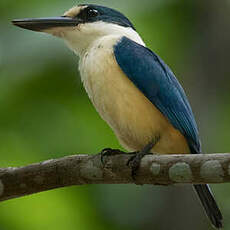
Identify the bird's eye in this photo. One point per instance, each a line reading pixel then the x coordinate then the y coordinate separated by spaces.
pixel 92 13
pixel 87 14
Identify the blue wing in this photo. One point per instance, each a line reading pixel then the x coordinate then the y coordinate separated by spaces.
pixel 157 82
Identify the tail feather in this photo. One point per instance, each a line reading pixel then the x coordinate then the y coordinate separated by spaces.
pixel 209 204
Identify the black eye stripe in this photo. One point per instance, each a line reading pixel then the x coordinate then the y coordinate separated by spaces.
pixel 87 13
pixel 92 13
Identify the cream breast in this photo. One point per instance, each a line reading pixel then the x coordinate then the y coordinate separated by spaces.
pixel 134 119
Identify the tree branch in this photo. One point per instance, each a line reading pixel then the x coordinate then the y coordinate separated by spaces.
pixel 88 169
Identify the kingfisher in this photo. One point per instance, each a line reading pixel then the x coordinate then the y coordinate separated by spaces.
pixel 131 87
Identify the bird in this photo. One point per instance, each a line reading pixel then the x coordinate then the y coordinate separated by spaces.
pixel 130 86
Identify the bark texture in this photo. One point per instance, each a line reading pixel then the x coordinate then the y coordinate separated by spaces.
pixel 88 169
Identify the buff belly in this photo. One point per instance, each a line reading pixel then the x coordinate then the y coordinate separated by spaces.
pixel 133 118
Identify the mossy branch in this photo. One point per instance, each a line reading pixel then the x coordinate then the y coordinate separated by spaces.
pixel 88 169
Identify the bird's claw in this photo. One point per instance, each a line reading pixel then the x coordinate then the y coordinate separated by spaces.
pixel 134 163
pixel 109 152
pixel 105 152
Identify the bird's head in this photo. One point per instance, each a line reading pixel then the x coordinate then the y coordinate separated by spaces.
pixel 82 25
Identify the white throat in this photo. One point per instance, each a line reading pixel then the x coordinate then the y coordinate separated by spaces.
pixel 82 38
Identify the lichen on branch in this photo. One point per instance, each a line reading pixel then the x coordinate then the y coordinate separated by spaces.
pixel 88 169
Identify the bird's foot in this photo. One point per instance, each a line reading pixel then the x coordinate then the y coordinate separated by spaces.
pixel 109 152
pixel 135 161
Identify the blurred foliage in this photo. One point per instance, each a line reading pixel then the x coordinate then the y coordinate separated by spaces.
pixel 45 113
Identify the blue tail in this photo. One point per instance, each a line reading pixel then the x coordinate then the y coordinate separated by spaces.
pixel 209 204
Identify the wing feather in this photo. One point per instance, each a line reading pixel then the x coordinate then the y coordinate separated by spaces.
pixel 158 83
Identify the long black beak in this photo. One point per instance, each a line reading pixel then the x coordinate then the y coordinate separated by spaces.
pixel 40 24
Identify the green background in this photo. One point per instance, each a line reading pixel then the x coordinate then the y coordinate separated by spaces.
pixel 45 113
